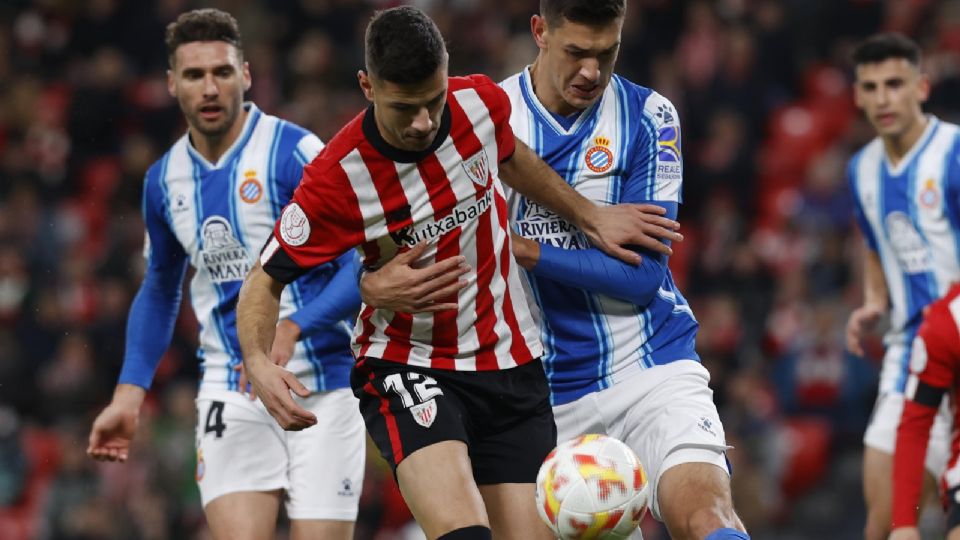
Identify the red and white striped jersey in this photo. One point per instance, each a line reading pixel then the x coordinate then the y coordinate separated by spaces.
pixel 934 372
pixel 361 192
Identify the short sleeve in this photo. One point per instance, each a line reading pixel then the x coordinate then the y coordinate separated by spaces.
pixel 321 223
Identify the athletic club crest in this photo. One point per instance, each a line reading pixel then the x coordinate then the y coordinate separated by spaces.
pixel 599 158
pixel 929 196
pixel 425 413
pixel 250 189
pixel 477 169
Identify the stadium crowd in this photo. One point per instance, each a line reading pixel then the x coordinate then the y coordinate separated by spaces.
pixel 770 260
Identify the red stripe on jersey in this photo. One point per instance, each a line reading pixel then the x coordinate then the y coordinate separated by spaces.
pixel 383 173
pixel 366 330
pixel 468 145
pixel 498 105
pixel 518 347
pixel 396 445
pixel 443 199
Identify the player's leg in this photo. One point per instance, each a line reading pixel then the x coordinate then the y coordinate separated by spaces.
pixel 513 513
pixel 417 420
pixel 250 515
pixel 241 466
pixel 695 502
pixel 515 432
pixel 326 468
pixel 437 484
pixel 669 419
pixel 877 482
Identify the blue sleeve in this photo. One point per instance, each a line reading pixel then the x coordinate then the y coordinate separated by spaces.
pixel 858 212
pixel 295 148
pixel 155 308
pixel 654 176
pixel 339 300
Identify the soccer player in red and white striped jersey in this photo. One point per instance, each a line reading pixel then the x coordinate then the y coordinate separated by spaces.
pixel 455 399
pixel 934 372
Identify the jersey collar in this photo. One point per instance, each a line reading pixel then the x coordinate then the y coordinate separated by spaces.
pixel 372 134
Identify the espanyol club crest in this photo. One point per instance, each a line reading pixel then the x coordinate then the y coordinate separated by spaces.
pixel 929 197
pixel 250 189
pixel 599 158
pixel 477 169
pixel 425 413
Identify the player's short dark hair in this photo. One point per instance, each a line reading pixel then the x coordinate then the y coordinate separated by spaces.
pixel 880 47
pixel 590 12
pixel 403 45
pixel 208 24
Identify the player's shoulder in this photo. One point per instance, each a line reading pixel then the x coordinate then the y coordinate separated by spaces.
pixel 872 151
pixel 339 147
pixel 288 137
pixel 511 84
pixel 650 106
pixel 483 85
pixel 174 160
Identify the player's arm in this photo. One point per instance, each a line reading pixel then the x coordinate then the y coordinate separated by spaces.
pixel 875 295
pixel 609 228
pixel 257 312
pixel 150 324
pixel 594 270
pixel 933 359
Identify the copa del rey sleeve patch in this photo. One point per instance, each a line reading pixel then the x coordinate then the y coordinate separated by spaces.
pixel 294 225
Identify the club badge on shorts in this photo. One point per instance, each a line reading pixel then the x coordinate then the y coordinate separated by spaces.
pixel 425 413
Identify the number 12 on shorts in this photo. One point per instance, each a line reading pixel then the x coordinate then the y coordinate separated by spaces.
pixel 425 389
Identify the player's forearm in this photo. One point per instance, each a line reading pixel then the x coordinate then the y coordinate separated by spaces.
pixel 874 283
pixel 597 272
pixel 150 323
pixel 533 178
pixel 257 312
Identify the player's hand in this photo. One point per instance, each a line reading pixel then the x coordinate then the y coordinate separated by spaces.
pixel 115 426
pixel 244 386
pixel 525 251
pixel 862 320
pixel 284 342
pixel 905 533
pixel 610 228
pixel 273 384
pixel 398 286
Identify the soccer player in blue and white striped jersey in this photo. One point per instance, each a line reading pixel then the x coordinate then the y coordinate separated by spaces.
pixel 211 202
pixel 906 186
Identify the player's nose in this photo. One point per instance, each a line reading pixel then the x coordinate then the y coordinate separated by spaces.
pixel 590 69
pixel 210 87
pixel 422 121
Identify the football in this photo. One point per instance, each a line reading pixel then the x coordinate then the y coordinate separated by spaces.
pixel 592 487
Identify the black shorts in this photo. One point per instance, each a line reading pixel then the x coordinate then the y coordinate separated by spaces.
pixel 952 506
pixel 504 417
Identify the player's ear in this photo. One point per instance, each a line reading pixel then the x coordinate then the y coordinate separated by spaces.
pixel 538 27
pixel 171 83
pixel 247 80
pixel 365 84
pixel 923 88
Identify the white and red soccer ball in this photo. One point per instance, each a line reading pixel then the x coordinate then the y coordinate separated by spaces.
pixel 592 487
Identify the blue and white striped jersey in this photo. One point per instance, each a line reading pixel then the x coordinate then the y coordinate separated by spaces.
pixel 624 148
pixel 218 216
pixel 910 216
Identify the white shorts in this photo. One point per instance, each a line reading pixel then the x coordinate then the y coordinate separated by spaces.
pixel 240 447
pixel 881 432
pixel 665 414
